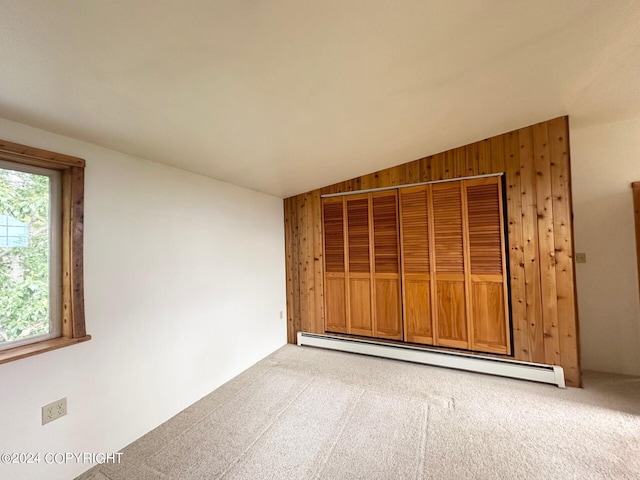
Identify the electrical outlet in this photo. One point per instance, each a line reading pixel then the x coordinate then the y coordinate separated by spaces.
pixel 581 258
pixel 54 410
pixel 281 314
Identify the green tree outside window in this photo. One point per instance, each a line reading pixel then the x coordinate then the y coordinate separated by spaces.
pixel 24 270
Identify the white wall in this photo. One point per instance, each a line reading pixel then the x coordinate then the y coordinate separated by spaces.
pixel 605 159
pixel 184 282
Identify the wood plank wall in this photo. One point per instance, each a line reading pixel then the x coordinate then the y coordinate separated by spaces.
pixel 536 163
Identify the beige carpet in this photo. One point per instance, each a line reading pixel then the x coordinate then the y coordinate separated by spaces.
pixel 309 413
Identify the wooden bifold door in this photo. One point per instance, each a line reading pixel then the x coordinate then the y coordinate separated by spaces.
pixel 423 264
pixel 362 265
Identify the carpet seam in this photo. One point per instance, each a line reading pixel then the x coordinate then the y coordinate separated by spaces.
pixel 420 474
pixel 323 465
pixel 266 429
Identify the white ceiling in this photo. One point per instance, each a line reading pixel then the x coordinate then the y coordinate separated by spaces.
pixel 283 96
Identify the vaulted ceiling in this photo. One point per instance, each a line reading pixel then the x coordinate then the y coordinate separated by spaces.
pixel 283 96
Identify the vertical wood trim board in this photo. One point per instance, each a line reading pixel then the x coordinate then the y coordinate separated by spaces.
pixel 539 224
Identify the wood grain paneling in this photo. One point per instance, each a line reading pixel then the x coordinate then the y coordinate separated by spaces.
pixel 336 313
pixel 563 237
pixel 546 244
pixel 361 321
pixel 531 162
pixel 417 309
pixel 387 308
pixel 489 331
pixel 535 327
pixel 520 320
pixel 452 315
pixel 291 239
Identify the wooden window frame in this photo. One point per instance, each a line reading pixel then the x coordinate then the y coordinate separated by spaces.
pixel 73 329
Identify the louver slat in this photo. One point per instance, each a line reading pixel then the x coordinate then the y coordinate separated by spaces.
pixel 334 237
pixel 484 229
pixel 447 214
pixel 358 227
pixel 415 231
pixel 385 233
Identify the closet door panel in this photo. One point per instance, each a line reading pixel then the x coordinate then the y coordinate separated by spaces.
pixel 361 322
pixel 334 265
pixel 448 238
pixel 387 312
pixel 416 264
pixel 487 265
pixel 452 319
pixel 336 304
pixel 417 310
pixel 387 303
pixel 488 317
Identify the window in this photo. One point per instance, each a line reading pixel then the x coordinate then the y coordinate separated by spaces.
pixel 41 230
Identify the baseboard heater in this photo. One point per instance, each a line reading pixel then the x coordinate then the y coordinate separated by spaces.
pixel 535 372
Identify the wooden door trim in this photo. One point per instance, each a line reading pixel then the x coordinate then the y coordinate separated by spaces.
pixel 505 271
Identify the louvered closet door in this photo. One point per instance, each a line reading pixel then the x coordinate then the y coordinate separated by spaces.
pixel 451 316
pixel 386 292
pixel 435 274
pixel 360 315
pixel 334 265
pixel 487 275
pixel 415 231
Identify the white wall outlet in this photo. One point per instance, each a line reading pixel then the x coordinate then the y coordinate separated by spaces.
pixel 281 314
pixel 54 410
pixel 581 258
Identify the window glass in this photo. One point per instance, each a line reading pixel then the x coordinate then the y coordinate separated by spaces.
pixel 28 231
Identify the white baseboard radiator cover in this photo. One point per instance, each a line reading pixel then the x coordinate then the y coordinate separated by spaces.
pixel 535 372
